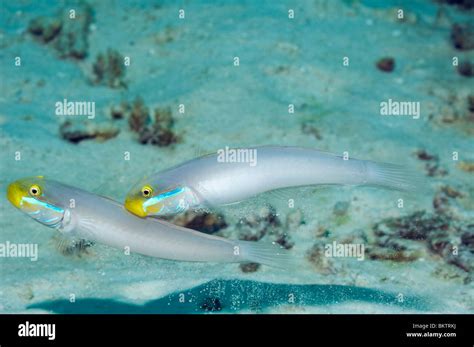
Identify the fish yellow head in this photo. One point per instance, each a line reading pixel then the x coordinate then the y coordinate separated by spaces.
pixel 30 196
pixel 146 200
pixel 142 201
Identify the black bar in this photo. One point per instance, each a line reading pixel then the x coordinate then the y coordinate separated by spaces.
pixel 377 329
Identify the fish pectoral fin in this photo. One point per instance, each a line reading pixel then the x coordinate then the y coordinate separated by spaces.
pixel 70 246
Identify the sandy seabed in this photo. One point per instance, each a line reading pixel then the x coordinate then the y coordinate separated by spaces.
pixel 282 61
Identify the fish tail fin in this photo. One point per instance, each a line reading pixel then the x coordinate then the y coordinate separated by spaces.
pixel 266 253
pixel 395 177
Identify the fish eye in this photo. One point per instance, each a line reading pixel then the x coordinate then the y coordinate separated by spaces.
pixel 35 190
pixel 146 191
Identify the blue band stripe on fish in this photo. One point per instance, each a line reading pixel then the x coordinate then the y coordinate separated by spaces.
pixel 163 196
pixel 42 203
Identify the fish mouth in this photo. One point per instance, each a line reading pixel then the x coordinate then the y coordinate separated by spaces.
pixel 15 194
pixel 135 206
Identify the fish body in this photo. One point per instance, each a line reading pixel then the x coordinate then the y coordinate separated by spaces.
pixel 209 181
pixel 82 215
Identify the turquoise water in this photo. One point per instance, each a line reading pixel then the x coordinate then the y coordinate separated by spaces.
pixel 283 63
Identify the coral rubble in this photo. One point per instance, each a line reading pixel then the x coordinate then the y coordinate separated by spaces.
pixel 67 32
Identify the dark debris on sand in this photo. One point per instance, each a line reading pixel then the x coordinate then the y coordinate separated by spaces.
pixel 466 68
pixel 68 36
pixel 432 165
pixel 205 222
pixel 462 36
pixel 318 259
pixel 310 129
pixel 76 132
pixel 109 69
pixel 264 225
pixel 461 4
pixel 249 267
pixel 466 166
pixel 211 305
pixel 386 64
pixel 160 132
pixel 139 115
pixel 441 234
pixel 73 248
